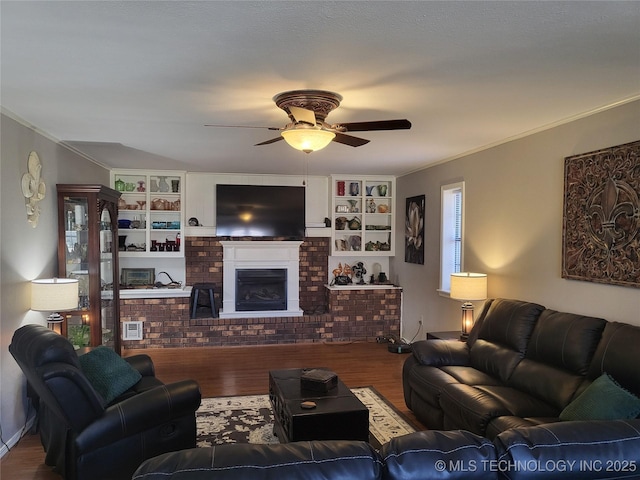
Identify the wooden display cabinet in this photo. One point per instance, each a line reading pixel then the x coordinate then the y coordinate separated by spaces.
pixel 88 252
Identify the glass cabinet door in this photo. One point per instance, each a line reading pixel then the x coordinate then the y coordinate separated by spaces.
pixel 106 278
pixel 76 263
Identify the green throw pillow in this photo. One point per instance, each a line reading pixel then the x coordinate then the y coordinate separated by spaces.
pixel 109 373
pixel 604 399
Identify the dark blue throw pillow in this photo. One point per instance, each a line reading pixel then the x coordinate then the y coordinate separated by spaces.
pixel 109 373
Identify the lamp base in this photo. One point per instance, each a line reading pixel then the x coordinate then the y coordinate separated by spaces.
pixel 55 318
pixel 467 320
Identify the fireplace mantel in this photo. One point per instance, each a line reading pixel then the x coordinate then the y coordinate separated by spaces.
pixel 260 255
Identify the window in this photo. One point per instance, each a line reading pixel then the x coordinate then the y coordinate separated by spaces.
pixel 451 241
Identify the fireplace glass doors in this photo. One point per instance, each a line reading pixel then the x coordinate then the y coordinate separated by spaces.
pixel 261 289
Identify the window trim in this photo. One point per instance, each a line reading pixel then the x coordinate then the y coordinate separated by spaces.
pixel 446 194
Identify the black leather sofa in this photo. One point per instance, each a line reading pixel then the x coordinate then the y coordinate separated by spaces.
pixel 565 450
pixel 86 438
pixel 521 366
pixel 493 405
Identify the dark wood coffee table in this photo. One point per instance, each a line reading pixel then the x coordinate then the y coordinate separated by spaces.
pixel 338 414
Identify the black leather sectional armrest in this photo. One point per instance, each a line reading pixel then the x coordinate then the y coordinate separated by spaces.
pixel 572 450
pixel 141 412
pixel 438 353
pixel 143 364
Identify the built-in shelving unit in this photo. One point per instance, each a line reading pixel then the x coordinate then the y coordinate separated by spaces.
pixel 151 213
pixel 363 213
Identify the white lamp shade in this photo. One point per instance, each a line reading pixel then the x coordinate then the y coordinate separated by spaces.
pixel 308 139
pixel 54 294
pixel 468 286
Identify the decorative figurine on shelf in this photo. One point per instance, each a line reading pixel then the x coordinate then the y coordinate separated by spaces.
pixel 337 271
pixel 347 270
pixel 359 271
pixel 371 206
pixel 141 186
pixel 340 276
pixel 163 186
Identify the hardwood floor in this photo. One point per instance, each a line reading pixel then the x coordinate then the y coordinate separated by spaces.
pixel 242 371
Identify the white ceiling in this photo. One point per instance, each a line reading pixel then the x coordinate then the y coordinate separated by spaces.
pixel 131 84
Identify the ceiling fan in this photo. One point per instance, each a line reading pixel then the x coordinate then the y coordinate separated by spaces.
pixel 308 131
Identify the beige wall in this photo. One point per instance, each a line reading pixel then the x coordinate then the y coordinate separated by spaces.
pixel 28 252
pixel 513 225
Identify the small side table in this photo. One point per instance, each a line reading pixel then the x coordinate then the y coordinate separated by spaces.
pixel 451 335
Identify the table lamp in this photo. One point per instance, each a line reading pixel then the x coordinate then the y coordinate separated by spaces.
pixel 467 287
pixel 54 295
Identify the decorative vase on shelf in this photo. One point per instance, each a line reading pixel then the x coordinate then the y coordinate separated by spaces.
pixel 163 186
pixel 355 224
pixel 354 188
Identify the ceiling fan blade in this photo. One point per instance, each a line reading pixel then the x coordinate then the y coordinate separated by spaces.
pixel 403 124
pixel 242 126
pixel 303 115
pixel 350 140
pixel 273 140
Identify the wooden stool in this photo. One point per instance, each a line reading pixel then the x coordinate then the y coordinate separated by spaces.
pixel 199 292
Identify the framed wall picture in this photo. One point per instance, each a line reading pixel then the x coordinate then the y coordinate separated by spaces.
pixel 601 222
pixel 414 230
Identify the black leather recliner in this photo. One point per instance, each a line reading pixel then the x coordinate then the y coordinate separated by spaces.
pixel 82 437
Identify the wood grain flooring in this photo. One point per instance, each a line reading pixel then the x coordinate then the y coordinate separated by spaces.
pixel 242 371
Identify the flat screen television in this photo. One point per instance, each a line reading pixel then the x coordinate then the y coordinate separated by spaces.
pixel 260 211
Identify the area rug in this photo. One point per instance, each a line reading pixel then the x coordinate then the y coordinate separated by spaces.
pixel 249 419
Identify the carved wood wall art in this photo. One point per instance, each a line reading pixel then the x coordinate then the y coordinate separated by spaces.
pixel 601 231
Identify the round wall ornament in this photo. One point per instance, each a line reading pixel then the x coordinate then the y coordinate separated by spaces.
pixel 33 188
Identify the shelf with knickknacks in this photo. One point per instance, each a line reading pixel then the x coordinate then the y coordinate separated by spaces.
pixel 363 215
pixel 347 275
pixel 151 214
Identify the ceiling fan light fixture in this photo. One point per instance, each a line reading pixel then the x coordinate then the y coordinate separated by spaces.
pixel 308 140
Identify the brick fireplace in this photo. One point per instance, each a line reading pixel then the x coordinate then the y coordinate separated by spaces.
pixel 328 315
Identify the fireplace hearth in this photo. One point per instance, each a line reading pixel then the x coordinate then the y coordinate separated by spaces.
pixel 259 289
